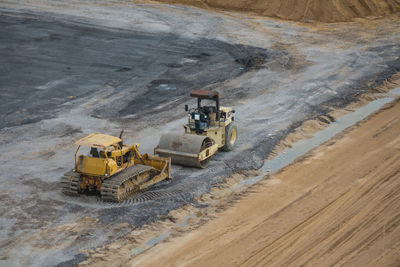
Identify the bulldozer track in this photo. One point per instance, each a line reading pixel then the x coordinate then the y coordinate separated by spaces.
pixel 111 186
pixel 70 186
pixel 70 183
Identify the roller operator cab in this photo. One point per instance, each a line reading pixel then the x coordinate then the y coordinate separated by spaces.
pixel 210 127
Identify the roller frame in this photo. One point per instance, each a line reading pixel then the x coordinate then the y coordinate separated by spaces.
pixel 187 158
pixel 212 150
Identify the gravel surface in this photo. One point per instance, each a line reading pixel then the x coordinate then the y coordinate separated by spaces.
pixel 76 67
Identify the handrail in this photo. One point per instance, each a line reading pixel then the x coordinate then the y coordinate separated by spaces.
pixel 76 152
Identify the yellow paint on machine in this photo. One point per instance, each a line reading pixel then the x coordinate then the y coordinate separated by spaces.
pixel 115 170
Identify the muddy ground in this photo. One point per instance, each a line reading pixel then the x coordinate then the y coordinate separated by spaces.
pixel 69 69
pixel 69 61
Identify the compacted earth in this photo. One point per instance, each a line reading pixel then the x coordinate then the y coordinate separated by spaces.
pixel 72 68
pixel 303 10
pixel 319 211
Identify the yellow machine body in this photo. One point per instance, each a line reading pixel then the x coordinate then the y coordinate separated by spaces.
pixel 209 129
pixel 114 169
pixel 217 130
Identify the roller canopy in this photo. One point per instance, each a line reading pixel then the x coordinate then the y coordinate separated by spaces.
pixel 205 94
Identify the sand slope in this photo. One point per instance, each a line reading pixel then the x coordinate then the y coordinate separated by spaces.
pixel 304 10
pixel 338 206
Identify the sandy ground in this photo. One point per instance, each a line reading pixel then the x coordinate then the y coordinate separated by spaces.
pixel 323 210
pixel 302 10
pixel 70 68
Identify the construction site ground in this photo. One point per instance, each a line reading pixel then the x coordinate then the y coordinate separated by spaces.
pixel 70 68
pixel 338 205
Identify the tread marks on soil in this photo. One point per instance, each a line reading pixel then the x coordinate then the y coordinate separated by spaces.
pixel 146 196
pixel 383 191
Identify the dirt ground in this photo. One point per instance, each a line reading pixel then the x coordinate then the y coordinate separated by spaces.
pixel 70 68
pixel 319 211
pixel 303 10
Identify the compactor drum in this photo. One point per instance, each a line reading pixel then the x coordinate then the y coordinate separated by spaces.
pixel 209 129
pixel 115 170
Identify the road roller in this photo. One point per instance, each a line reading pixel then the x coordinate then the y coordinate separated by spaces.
pixel 210 128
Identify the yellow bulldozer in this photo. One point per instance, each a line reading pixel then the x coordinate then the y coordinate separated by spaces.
pixel 209 128
pixel 113 169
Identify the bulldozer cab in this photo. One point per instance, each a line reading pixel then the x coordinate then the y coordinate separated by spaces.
pixel 107 154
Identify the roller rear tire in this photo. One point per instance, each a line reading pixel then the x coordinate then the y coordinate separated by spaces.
pixel 231 134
